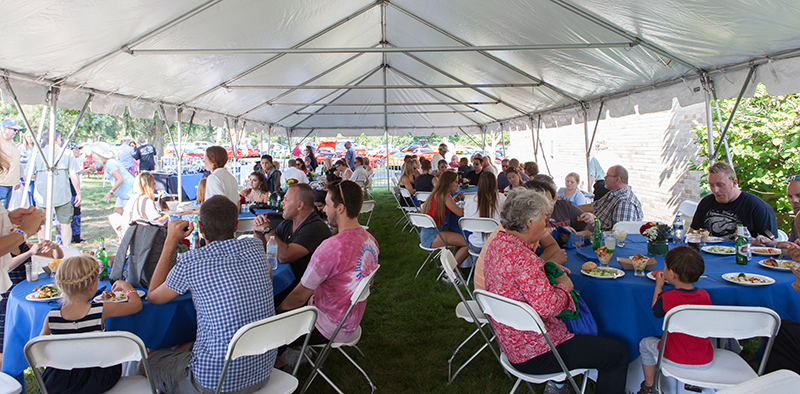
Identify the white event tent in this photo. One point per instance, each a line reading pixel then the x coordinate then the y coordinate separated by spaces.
pixel 393 67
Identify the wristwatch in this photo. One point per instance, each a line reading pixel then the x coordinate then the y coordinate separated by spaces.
pixel 266 230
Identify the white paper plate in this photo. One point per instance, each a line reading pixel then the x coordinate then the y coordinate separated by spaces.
pixel 731 277
pixel 778 268
pixel 713 240
pixel 99 299
pixel 617 273
pixel 764 251
pixel 715 250
pixel 650 275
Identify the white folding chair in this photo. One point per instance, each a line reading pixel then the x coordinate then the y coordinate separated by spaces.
pixel 9 385
pixel 422 220
pixel 718 321
pixel 782 236
pixel 360 294
pixel 687 209
pixel 521 316
pixel 404 209
pixel 467 310
pixel 270 333
pixel 367 207
pixel 782 381
pixel 485 226
pixel 92 349
pixel 406 194
pixel 631 227
pixel 245 227
pixel 422 196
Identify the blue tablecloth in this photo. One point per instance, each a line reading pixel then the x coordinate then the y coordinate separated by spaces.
pixel 175 322
pixel 246 215
pixel 622 307
pixel 169 183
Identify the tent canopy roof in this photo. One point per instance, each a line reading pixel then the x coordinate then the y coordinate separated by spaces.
pixel 323 64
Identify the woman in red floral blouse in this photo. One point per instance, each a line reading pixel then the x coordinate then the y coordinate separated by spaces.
pixel 513 270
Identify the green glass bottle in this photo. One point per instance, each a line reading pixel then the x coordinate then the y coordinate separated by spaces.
pixel 103 257
pixel 597 235
pixel 741 246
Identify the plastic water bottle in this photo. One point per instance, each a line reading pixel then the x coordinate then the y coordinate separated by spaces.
pixel 677 230
pixel 749 243
pixel 272 252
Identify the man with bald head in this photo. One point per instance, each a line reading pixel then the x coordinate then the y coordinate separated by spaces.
pixel 300 233
pixel 619 204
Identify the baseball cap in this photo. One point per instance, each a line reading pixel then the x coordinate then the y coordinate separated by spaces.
pixel 73 145
pixel 10 124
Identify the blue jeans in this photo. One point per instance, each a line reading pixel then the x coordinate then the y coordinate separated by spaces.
pixel 5 195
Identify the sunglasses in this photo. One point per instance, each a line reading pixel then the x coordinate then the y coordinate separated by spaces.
pixel 792 178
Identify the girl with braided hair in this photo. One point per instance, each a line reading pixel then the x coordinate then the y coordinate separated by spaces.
pixel 76 279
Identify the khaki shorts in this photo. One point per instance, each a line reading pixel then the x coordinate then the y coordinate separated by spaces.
pixel 64 213
pixel 171 373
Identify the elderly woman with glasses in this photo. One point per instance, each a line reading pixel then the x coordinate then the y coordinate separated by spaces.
pixel 513 270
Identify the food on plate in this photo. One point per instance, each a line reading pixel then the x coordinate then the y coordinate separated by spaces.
pixel 604 254
pixel 588 266
pixel 54 264
pixel 655 273
pixel 115 296
pixel 703 234
pixel 763 250
pixel 45 291
pixel 89 252
pixel 782 264
pixel 720 249
pixel 744 278
pixel 603 272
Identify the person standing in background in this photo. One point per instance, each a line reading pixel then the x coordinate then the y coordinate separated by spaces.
pixel 350 156
pixel 146 154
pixel 10 178
pixel 125 155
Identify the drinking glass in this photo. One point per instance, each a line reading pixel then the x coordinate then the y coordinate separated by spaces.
pixel 621 235
pixel 578 242
pixel 609 240
pixel 693 240
pixel 638 266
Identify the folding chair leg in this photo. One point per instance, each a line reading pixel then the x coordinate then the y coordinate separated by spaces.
pixel 514 389
pixel 359 368
pixel 450 361
pixel 423 264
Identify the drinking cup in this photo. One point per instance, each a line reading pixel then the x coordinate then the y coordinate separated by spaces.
pixel 621 236
pixel 609 240
pixel 638 267
pixel 578 242
pixel 693 240
pixel 30 272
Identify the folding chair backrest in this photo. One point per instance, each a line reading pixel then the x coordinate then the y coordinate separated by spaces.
pixel 506 311
pixel 245 225
pixel 631 227
pixel 722 321
pixel 422 196
pixel 478 225
pixel 279 330
pixel 70 351
pixel 687 208
pixel 449 264
pixel 362 291
pixel 421 220
pixel 367 206
pixel 404 192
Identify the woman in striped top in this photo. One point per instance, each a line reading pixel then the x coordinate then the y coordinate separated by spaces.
pixel 76 279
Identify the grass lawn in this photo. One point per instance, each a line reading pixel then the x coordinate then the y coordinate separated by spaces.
pixel 410 327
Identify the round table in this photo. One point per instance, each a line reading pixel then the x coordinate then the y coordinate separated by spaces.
pixel 623 306
pixel 159 326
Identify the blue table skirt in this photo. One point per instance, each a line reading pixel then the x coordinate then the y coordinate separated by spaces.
pixel 159 326
pixel 622 307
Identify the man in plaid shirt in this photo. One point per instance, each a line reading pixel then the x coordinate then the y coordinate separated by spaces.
pixel 619 204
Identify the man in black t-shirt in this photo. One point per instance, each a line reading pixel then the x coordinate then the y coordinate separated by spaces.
pixel 728 206
pixel 299 235
pixel 146 155
pixel 475 174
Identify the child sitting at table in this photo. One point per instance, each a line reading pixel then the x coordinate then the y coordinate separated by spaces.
pixel 76 279
pixel 683 266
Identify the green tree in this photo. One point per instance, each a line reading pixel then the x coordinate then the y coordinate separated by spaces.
pixel 764 140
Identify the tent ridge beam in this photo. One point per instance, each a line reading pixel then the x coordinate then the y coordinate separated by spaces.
pixel 380 127
pixel 618 30
pixel 127 47
pixel 494 58
pixel 278 56
pixel 381 87
pixel 414 80
pixel 482 48
pixel 387 113
pixel 409 104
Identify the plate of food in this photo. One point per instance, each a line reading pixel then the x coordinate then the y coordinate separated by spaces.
pixel 44 293
pixel 591 269
pixel 741 278
pixel 780 265
pixel 720 250
pixel 763 251
pixel 115 296
pixel 652 274
pixel 713 240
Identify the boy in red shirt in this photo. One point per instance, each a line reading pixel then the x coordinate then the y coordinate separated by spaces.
pixel 683 266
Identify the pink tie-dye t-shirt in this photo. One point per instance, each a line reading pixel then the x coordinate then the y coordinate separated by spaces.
pixel 335 269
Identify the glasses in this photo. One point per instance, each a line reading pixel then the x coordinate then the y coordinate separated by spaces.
pixel 792 178
pixel 341 193
pixel 610 176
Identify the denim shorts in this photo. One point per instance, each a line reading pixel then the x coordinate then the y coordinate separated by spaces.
pixel 428 234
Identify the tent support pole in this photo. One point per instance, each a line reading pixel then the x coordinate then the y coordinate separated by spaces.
pixel 25 119
pixel 75 126
pixel 706 82
pixel 533 139
pixel 503 139
pixel 588 143
pixel 180 157
pixel 723 137
pixel 269 140
pixel 483 140
pixel 385 93
pixel 719 116
pixel 594 132
pixel 51 153
pixel 36 139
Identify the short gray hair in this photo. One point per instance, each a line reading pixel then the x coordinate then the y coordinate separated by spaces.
pixel 523 205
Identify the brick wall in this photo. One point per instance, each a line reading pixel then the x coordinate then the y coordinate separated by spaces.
pixel 655 148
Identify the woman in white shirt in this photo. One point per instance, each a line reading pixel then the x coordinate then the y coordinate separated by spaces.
pixel 220 182
pixel 485 204
pixel 142 205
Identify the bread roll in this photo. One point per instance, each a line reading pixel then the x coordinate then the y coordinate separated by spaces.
pixel 588 266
